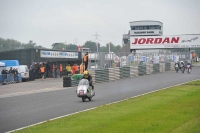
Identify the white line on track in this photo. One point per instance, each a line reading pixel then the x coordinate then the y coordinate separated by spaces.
pixel 98 106
pixel 32 92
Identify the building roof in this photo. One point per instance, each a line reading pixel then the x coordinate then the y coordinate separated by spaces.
pixel 145 21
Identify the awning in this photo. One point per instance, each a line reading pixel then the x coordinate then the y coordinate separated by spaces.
pixel 2 64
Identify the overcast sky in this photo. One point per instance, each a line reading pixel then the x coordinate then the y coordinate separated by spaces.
pixel 50 21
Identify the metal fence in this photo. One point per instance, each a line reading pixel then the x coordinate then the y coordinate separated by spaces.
pixel 10 78
pixel 102 60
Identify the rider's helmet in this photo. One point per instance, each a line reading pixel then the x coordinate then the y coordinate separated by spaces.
pixel 86 74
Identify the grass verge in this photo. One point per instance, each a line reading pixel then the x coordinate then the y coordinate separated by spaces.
pixel 173 110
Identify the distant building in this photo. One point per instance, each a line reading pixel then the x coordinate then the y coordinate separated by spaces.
pixel 34 55
pixel 141 28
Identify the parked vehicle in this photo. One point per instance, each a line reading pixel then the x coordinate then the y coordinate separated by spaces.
pixel 84 90
pixel 22 69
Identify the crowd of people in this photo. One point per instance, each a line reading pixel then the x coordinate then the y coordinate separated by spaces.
pixel 43 70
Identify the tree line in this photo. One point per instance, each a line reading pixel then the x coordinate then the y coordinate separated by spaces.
pixel 11 44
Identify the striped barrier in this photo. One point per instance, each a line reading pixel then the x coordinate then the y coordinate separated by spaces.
pixel 111 74
pixel 133 71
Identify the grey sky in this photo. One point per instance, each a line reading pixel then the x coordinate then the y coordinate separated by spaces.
pixel 49 21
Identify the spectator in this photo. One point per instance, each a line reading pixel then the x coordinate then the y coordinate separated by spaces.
pixel 68 69
pixel 16 75
pixel 81 68
pixel 55 72
pixel 42 71
pixel 85 60
pixel 76 69
pixel 61 70
pixel 4 75
pixel 105 65
pixel 73 69
pixel 11 72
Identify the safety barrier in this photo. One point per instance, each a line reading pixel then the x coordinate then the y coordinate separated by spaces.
pixel 167 66
pixel 133 71
pixel 156 68
pixel 111 74
pixel 141 70
pixel 10 78
pixel 162 67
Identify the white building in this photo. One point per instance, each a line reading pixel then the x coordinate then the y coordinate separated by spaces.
pixel 143 28
pixel 146 28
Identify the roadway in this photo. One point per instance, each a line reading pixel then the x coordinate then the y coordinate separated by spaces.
pixel 23 109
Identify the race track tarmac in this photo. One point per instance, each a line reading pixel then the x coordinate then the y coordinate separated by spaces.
pixel 17 111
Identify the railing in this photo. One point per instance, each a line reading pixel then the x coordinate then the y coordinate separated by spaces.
pixel 10 78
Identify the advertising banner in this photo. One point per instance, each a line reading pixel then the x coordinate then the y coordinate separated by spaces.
pixel 153 42
pixel 175 58
pixel 156 59
pixel 143 59
pixel 123 60
pixel 58 54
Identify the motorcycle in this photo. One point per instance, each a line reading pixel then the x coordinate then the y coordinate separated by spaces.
pixel 176 68
pixel 84 90
pixel 188 68
pixel 182 69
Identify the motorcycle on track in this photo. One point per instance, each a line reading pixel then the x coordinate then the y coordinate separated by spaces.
pixel 188 68
pixel 176 68
pixel 84 90
pixel 182 69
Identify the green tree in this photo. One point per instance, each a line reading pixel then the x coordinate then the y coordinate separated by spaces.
pixel 91 45
pixel 72 47
pixel 9 44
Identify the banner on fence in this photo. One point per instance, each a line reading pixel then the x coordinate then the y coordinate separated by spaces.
pixel 156 59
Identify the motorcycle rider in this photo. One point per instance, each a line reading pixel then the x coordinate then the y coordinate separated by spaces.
pixel 176 65
pixel 189 64
pixel 182 64
pixel 88 77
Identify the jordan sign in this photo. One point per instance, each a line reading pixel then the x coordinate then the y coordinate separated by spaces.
pixel 153 42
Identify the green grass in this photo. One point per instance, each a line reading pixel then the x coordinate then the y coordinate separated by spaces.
pixel 173 110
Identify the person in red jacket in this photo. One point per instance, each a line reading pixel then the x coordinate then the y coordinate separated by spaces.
pixel 73 69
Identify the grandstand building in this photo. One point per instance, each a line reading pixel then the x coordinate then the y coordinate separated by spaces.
pixel 141 28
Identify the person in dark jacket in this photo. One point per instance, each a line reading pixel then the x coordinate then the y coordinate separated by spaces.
pixel 16 74
pixel 4 75
pixel 88 77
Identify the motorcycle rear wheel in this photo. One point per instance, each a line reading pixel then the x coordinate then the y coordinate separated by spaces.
pixel 90 99
pixel 83 99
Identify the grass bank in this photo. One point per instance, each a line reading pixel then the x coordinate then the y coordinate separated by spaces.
pixel 174 110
